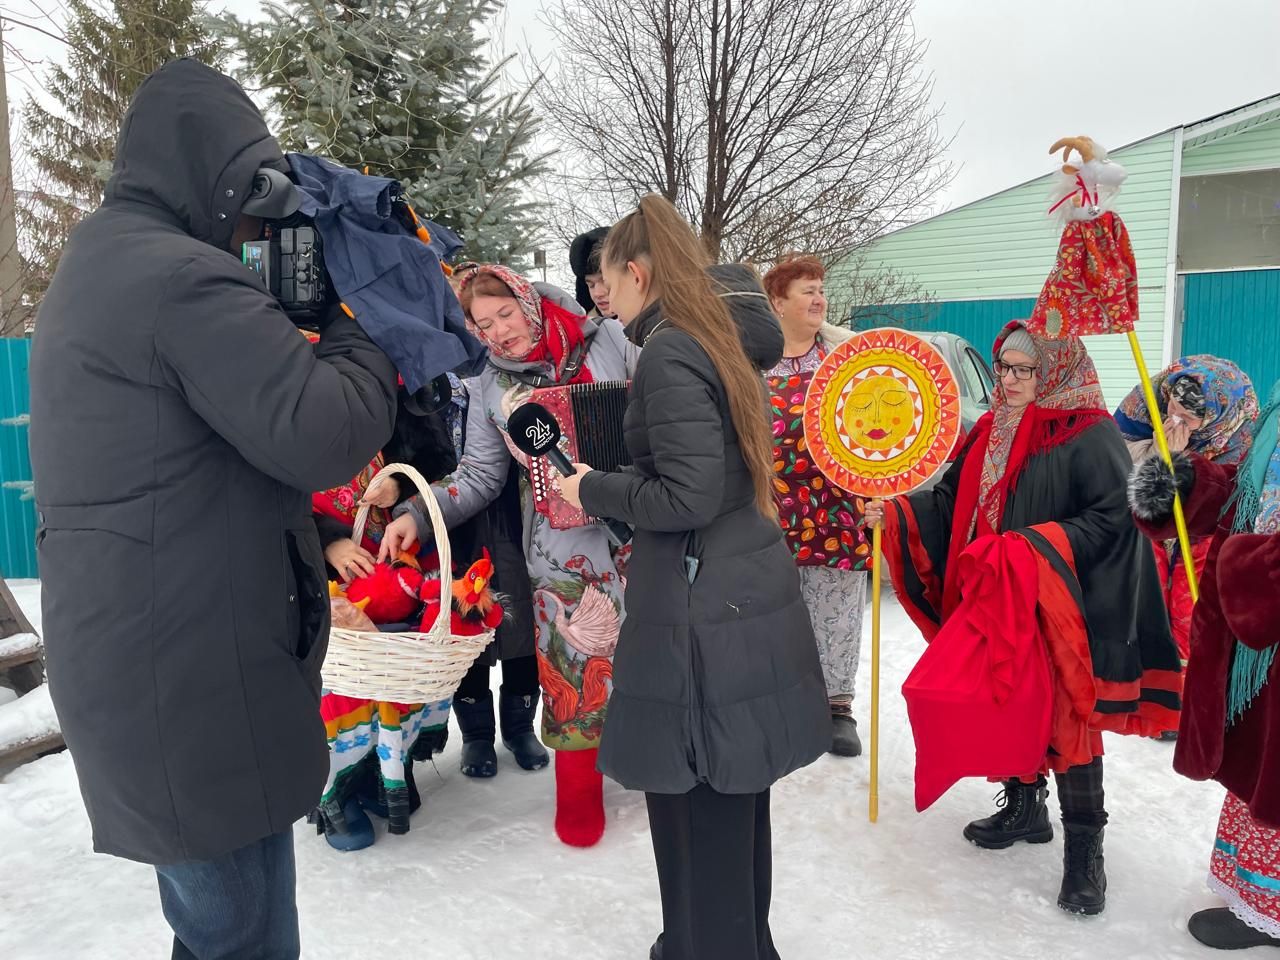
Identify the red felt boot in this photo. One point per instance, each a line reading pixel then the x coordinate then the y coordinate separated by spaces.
pixel 579 798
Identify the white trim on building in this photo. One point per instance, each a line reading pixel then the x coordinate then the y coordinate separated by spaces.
pixel 1169 340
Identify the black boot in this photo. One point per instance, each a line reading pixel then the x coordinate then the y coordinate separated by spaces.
pixel 1084 881
pixel 475 720
pixel 516 714
pixel 1022 816
pixel 1223 930
pixel 655 952
pixel 844 731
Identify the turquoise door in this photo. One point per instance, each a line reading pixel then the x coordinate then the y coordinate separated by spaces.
pixel 1235 315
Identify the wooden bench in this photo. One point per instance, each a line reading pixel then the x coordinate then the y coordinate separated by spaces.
pixel 15 754
pixel 22 668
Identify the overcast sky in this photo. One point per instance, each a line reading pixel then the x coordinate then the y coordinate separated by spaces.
pixel 1011 76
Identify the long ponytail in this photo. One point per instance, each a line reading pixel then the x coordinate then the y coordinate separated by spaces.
pixel 656 232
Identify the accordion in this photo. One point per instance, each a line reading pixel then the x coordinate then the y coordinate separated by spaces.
pixel 590 417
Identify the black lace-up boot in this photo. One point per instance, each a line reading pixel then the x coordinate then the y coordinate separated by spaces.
pixel 1021 815
pixel 1084 882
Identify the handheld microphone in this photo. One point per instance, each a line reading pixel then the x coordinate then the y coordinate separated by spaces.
pixel 536 433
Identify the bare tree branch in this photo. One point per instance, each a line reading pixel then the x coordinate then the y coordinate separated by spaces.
pixel 772 127
pixel 879 297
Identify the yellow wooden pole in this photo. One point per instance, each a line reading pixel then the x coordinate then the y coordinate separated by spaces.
pixel 1162 442
pixel 876 560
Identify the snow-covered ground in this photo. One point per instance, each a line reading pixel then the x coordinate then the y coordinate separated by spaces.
pixel 482 876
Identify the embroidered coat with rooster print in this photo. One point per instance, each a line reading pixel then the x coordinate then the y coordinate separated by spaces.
pixel 577 575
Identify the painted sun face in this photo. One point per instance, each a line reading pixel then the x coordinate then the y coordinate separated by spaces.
pixel 882 413
pixel 879 413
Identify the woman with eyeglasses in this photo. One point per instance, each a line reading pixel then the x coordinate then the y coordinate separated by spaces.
pixel 1047 468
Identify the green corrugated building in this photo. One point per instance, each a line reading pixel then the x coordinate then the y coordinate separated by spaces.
pixel 1202 204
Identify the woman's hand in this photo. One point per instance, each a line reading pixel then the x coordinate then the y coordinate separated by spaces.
pixel 349 558
pixel 569 485
pixel 1178 433
pixel 384 493
pixel 401 534
pixel 873 514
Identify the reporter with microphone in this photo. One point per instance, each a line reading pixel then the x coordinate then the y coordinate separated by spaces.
pixel 536 341
pixel 718 691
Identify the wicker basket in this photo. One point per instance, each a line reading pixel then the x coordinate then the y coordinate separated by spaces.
pixel 404 667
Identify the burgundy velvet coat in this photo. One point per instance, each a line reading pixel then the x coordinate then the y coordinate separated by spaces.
pixel 1239 599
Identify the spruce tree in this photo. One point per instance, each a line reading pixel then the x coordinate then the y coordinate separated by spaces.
pixel 403 87
pixel 111 49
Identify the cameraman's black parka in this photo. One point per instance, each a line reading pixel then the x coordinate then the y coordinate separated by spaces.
pixel 178 424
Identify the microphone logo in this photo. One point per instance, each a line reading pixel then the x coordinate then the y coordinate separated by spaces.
pixel 540 434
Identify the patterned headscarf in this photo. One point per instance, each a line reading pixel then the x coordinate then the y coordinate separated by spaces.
pixel 1066 383
pixel 1231 405
pixel 525 296
pixel 558 336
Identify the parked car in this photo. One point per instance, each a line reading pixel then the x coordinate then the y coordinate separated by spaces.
pixel 977 386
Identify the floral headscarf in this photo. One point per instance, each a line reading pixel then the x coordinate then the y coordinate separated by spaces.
pixel 343 503
pixel 1066 383
pixel 559 342
pixel 1231 406
pixel 526 297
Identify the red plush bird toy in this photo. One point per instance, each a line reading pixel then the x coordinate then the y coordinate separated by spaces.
pixel 475 607
pixel 391 591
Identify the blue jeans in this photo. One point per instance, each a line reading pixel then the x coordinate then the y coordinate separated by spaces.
pixel 241 905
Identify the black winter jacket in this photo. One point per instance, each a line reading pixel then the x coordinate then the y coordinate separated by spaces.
pixel 178 427
pixel 717 681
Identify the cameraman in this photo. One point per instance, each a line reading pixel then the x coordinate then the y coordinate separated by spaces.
pixel 178 425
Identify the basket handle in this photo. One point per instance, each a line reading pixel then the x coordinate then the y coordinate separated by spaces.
pixel 443 551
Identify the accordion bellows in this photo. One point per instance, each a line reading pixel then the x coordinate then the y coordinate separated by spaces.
pixel 590 417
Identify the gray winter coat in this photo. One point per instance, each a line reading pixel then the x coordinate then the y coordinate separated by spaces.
pixel 717 682
pixel 178 423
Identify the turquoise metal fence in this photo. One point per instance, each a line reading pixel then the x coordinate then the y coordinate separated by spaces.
pixel 17 508
pixel 978 321
pixel 1236 316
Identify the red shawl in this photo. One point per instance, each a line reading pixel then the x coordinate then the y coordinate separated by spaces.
pixel 562 340
pixel 1068 401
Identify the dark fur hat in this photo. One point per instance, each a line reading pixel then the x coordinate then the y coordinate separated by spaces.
pixel 584 258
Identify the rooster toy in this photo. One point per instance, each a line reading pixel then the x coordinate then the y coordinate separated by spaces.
pixel 475 607
pixel 390 593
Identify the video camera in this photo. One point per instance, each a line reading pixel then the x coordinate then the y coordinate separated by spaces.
pixel 288 257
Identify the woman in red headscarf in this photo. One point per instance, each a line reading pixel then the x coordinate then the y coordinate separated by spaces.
pixel 536 338
pixel 1042 477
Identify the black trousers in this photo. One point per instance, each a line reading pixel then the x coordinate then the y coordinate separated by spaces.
pixel 715 871
pixel 1080 795
pixel 519 678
